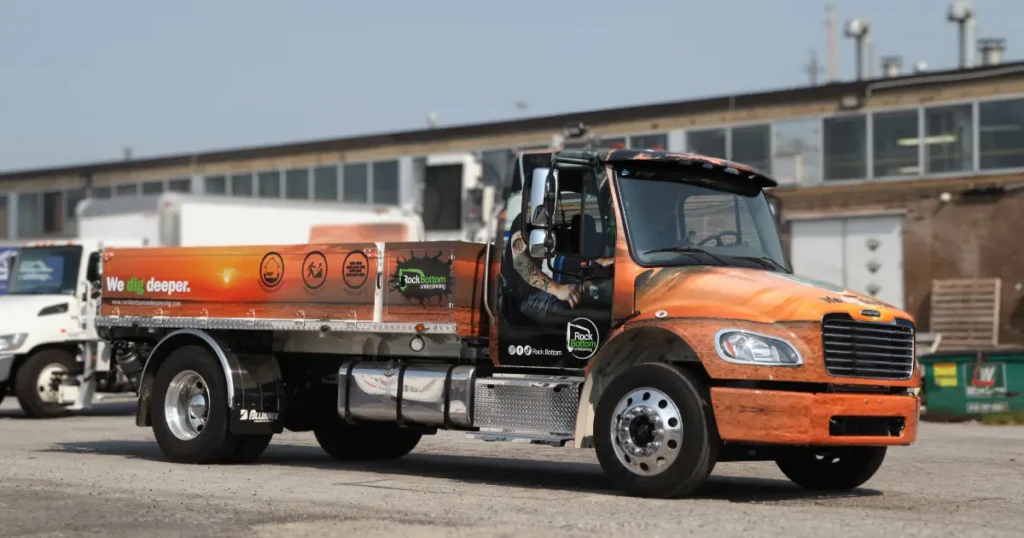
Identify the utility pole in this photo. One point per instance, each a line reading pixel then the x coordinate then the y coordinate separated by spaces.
pixel 813 67
pixel 830 25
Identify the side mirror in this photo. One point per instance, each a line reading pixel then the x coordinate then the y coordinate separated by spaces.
pixel 92 271
pixel 543 197
pixel 94 293
pixel 542 244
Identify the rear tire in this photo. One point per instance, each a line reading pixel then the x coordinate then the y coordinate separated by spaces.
pixel 191 423
pixel 365 441
pixel 839 468
pixel 36 392
pixel 654 432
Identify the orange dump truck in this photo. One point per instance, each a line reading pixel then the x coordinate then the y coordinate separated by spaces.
pixel 634 302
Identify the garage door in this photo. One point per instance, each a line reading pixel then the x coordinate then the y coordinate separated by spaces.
pixel 862 254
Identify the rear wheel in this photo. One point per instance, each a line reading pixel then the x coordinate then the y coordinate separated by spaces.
pixel 189 412
pixel 653 432
pixel 38 380
pixel 838 468
pixel 365 441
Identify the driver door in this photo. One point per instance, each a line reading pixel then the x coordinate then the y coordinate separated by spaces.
pixel 533 331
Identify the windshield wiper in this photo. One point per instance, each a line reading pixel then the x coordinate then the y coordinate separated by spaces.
pixel 765 262
pixel 688 250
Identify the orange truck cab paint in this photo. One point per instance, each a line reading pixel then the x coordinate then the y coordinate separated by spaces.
pixel 636 302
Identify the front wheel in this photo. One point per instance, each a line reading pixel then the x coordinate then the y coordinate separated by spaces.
pixel 839 468
pixel 38 381
pixel 654 433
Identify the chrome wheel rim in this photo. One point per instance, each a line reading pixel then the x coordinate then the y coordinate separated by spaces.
pixel 45 385
pixel 647 431
pixel 187 405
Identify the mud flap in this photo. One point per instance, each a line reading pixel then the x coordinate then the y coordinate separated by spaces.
pixel 259 397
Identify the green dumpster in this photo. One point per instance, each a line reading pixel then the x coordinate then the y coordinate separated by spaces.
pixel 963 385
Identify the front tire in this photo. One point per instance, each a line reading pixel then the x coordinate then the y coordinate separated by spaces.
pixel 832 469
pixel 35 386
pixel 365 441
pixel 654 432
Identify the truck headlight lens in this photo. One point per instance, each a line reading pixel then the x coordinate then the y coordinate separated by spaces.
pixel 11 342
pixel 744 347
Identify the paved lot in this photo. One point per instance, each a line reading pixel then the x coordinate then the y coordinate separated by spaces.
pixel 99 475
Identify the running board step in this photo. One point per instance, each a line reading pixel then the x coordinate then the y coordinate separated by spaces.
pixel 542 406
pixel 534 438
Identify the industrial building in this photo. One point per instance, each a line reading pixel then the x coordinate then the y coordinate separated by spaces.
pixel 885 183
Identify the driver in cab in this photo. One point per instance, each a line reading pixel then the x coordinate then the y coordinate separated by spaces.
pixel 542 299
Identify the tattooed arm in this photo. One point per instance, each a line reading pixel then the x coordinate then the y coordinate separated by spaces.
pixel 527 268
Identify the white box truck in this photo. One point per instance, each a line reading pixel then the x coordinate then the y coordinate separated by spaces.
pixel 51 358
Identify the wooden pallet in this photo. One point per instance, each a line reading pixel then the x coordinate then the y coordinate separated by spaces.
pixel 965 312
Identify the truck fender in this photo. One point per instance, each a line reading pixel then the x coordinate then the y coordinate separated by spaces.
pixel 255 391
pixel 629 346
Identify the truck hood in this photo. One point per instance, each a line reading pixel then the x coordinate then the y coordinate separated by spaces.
pixel 19 310
pixel 754 295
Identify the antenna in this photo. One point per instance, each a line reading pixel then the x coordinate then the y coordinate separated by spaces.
pixel 962 13
pixel 830 25
pixel 860 31
pixel 813 67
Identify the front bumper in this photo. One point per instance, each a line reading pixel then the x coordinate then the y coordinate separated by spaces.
pixel 803 418
pixel 6 363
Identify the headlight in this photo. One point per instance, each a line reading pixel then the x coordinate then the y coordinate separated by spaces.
pixel 744 347
pixel 11 342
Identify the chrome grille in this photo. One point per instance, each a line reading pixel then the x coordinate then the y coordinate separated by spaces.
pixel 867 349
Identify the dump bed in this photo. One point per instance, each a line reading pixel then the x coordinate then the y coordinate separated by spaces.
pixel 340 286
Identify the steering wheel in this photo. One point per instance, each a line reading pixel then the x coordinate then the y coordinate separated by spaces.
pixel 718 238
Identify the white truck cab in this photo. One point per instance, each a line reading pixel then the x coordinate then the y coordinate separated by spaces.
pixel 47 331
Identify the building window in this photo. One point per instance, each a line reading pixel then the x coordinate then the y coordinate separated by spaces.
pixel 126 189
pixel 153 187
pixel 100 192
pixel 752 146
pixel 895 142
pixel 325 183
pixel 710 143
pixel 215 185
pixel 269 184
pixel 385 183
pixel 845 147
pixel 5 232
pixel 53 213
pixel 797 153
pixel 241 185
pixel 948 142
pixel 30 215
pixel 355 188
pixel 296 184
pixel 1001 134
pixel 183 184
pixel 497 164
pixel 71 200
pixel 618 142
pixel 653 142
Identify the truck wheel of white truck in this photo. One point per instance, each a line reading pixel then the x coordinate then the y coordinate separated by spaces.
pixel 36 385
pixel 831 468
pixel 654 433
pixel 189 412
pixel 366 440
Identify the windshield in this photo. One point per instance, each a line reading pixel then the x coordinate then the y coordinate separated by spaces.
pixel 691 217
pixel 45 270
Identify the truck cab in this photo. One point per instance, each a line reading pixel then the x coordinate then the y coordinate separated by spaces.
pixel 47 330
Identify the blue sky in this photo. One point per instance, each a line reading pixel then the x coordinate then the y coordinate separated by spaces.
pixel 82 79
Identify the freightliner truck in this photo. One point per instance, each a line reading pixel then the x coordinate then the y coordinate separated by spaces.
pixel 641 305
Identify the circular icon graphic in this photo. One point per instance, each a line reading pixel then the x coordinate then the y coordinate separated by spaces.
pixel 272 270
pixel 355 269
pixel 528 350
pixel 512 350
pixel 581 338
pixel 519 350
pixel 314 270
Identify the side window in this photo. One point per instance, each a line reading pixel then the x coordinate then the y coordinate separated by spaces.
pixel 705 215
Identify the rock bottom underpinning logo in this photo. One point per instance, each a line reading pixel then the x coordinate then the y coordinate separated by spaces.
pixel 423 278
pixel 581 338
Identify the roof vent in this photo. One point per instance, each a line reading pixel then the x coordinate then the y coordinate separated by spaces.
pixel 892 66
pixel 860 31
pixel 991 49
pixel 962 13
pixel 921 67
